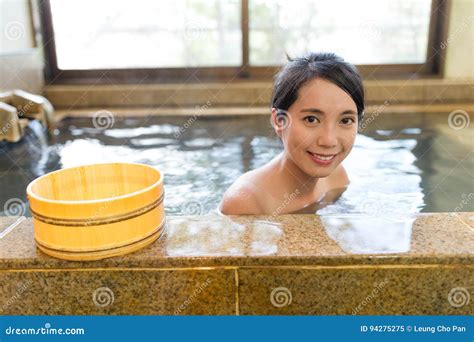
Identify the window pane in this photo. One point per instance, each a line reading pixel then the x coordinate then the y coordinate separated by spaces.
pixel 362 31
pixel 146 34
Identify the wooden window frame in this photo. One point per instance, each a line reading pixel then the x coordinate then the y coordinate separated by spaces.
pixel 433 68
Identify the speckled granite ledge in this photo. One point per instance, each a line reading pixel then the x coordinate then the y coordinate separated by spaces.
pixel 290 264
pixel 286 240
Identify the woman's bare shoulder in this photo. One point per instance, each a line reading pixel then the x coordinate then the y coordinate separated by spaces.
pixel 242 198
pixel 338 178
pixel 336 183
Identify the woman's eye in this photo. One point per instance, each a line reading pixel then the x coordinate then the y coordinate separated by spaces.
pixel 348 121
pixel 311 119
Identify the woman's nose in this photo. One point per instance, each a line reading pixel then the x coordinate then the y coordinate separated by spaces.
pixel 327 137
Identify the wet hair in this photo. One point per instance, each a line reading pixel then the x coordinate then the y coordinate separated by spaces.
pixel 325 65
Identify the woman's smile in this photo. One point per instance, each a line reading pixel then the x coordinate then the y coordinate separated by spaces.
pixel 322 159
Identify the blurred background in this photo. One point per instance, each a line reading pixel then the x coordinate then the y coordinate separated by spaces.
pixel 227 38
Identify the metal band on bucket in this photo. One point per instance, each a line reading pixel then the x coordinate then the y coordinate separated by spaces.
pixel 98 221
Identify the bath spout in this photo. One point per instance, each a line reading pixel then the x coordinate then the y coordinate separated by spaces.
pixel 27 107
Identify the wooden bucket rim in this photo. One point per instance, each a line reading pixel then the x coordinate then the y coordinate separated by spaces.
pixel 31 194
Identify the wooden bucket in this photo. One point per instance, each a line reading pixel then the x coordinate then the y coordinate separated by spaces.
pixel 97 211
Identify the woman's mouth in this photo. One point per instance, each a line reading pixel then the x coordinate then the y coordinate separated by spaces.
pixel 322 159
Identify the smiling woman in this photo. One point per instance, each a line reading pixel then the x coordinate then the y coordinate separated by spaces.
pixel 318 101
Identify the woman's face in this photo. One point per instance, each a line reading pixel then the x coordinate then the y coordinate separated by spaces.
pixel 320 129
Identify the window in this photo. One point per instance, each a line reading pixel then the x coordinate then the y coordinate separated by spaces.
pixel 121 34
pixel 229 39
pixel 397 34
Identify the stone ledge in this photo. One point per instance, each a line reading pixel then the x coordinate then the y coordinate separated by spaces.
pixel 248 94
pixel 237 265
pixel 286 240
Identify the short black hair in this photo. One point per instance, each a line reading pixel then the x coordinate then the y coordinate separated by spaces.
pixel 325 65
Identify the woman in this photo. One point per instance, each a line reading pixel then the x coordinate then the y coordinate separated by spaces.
pixel 317 104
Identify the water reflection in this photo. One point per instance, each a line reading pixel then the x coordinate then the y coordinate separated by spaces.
pixel 363 234
pixel 219 235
